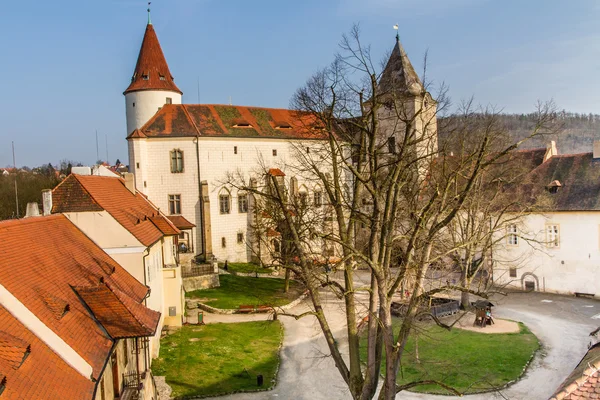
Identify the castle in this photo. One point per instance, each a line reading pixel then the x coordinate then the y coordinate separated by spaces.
pixel 181 154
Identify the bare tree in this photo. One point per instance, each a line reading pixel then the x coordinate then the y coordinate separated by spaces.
pixel 391 202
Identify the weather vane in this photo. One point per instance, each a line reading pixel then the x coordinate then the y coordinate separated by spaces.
pixel 397 33
pixel 149 20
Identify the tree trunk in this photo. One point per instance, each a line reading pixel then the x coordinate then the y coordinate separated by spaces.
pixel 464 296
pixel 286 286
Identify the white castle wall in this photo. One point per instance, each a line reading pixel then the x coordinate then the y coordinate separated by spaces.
pixel 140 106
pixel 217 158
pixel 572 267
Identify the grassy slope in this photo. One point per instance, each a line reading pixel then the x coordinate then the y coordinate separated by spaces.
pixel 247 268
pixel 468 361
pixel 237 290
pixel 224 359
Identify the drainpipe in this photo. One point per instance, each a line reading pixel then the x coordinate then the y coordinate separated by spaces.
pixel 200 200
pixel 144 268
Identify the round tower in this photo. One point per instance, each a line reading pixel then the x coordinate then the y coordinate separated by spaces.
pixel 152 84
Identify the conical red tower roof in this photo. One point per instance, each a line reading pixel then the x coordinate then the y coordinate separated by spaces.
pixel 151 71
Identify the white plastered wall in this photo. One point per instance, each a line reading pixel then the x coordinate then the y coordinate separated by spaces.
pixel 140 106
pixel 573 267
pixel 217 158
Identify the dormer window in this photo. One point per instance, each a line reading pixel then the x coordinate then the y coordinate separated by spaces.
pixel 161 77
pixel 282 125
pixel 554 186
pixel 241 123
pixel 145 76
pixel 2 384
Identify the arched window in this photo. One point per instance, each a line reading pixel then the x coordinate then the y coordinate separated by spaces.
pixel 276 245
pixel 176 161
pixel 303 196
pixel 242 202
pixel 318 197
pixel 224 202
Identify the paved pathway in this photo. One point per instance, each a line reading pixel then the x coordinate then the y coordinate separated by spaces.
pixel 561 323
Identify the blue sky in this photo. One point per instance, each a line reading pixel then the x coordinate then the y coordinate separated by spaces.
pixel 66 63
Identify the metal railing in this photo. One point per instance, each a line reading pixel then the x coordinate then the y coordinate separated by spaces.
pixel 197 270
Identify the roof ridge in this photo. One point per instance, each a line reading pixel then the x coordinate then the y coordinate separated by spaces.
pixel 23 221
pixel 189 117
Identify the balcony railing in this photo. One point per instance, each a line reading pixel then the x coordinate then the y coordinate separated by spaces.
pixel 197 270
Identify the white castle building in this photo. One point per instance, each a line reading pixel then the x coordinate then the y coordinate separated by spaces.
pixel 181 154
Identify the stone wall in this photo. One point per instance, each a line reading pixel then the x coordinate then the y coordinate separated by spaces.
pixel 201 282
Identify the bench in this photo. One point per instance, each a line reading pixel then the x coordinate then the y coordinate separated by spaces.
pixel 264 308
pixel 245 308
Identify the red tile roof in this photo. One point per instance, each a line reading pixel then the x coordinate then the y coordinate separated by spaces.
pixel 276 172
pixel 12 350
pixel 584 381
pixel 165 225
pixel 579 178
pixel 43 374
pixel 119 314
pixel 151 71
pixel 183 120
pixel 180 222
pixel 133 211
pixel 51 256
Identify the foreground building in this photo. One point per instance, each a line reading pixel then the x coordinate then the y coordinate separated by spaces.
pixel 72 320
pixel 183 155
pixel 133 232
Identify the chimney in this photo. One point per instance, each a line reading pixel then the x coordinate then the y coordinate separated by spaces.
pixel 47 201
pixel 550 151
pixel 129 181
pixel 32 210
pixel 596 149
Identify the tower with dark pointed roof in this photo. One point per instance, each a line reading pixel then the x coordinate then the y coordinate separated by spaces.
pixel 152 84
pixel 407 102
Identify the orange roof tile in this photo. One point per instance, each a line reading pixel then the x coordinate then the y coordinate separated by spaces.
pixel 51 255
pixel 43 374
pixel 133 211
pixel 165 225
pixel 119 314
pixel 584 381
pixel 180 222
pixel 276 172
pixel 181 120
pixel 12 350
pixel 151 70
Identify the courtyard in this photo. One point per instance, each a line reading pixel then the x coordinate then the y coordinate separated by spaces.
pixel 562 325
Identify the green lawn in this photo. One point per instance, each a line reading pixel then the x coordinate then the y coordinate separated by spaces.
pixel 247 268
pixel 468 361
pixel 237 290
pixel 217 359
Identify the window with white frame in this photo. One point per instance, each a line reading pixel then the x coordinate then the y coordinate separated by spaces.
pixel 176 161
pixel 552 235
pixel 224 202
pixel 512 235
pixel 242 202
pixel 174 204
